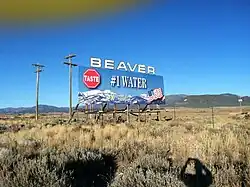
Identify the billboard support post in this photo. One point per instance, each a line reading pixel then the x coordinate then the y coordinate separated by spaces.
pixel 87 111
pixel 114 114
pixel 102 114
pixel 139 113
pixel 102 118
pixel 128 120
pixel 149 112
pixel 77 115
pixel 91 111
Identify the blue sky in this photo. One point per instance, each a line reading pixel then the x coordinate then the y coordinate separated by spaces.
pixel 199 46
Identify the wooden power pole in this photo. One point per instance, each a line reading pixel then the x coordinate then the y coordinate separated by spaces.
pixel 38 71
pixel 70 64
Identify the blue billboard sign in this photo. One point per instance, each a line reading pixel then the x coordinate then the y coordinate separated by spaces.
pixel 100 85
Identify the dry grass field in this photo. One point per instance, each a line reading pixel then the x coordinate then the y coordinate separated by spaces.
pixel 51 152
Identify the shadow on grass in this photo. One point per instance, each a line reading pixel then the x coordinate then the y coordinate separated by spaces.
pixel 201 178
pixel 91 173
pixel 77 168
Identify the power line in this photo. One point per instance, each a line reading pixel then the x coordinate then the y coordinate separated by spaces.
pixel 38 71
pixel 70 64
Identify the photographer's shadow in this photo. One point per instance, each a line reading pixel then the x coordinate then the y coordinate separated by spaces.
pixel 201 177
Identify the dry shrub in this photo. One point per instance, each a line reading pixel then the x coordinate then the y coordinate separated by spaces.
pixel 150 170
pixel 138 178
pixel 155 162
pixel 53 168
pixel 16 171
pixel 141 149
pixel 130 151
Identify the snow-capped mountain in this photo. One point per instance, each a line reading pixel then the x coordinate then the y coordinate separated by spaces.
pixel 98 96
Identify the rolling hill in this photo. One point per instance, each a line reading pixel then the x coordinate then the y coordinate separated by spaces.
pixel 201 101
pixel 42 109
pixel 181 100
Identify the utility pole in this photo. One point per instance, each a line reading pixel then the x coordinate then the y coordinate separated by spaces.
pixel 70 64
pixel 240 101
pixel 212 109
pixel 38 71
pixel 174 110
pixel 213 115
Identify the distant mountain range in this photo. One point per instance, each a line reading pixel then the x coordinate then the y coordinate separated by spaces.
pixel 24 110
pixel 202 101
pixel 181 100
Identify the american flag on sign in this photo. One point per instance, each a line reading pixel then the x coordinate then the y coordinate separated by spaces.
pixel 155 95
